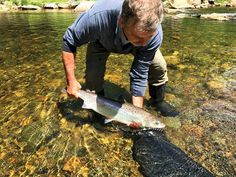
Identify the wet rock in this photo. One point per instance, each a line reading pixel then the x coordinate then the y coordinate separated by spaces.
pixel 224 86
pixel 215 85
pixel 195 2
pixel 180 4
pixel 173 123
pixel 220 109
pixel 3 8
pixel 195 130
pixel 41 171
pixel 181 15
pixel 72 164
pixel 233 3
pixel 175 11
pixel 218 138
pixel 50 6
pixel 29 7
pixel 220 16
pixel 8 6
pixel 37 134
pixel 64 6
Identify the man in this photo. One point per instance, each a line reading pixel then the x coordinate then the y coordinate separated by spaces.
pixel 120 26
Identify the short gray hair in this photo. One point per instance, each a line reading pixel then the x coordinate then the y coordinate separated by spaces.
pixel 145 14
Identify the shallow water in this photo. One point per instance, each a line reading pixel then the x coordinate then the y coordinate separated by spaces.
pixel 44 133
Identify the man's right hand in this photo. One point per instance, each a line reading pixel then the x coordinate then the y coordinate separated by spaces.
pixel 73 88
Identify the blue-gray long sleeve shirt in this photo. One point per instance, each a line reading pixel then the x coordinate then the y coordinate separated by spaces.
pixel 100 23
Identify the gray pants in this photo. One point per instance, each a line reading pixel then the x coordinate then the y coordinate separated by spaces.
pixel 96 58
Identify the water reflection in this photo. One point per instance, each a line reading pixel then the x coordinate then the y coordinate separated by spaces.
pixel 44 133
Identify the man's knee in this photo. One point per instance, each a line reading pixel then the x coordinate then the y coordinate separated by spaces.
pixel 158 70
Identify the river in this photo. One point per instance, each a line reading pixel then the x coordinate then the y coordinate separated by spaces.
pixel 44 133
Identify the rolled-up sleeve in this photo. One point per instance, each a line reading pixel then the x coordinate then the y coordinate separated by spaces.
pixel 140 67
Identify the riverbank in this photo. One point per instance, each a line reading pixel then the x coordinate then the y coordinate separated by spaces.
pixel 45 134
pixel 8 6
pixel 171 7
pixel 216 11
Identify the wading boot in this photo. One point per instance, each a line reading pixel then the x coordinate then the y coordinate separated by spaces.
pixel 157 101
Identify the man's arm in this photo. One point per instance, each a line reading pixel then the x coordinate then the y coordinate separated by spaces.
pixel 69 65
pixel 137 101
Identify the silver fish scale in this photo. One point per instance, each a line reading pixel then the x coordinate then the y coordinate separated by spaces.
pixel 125 113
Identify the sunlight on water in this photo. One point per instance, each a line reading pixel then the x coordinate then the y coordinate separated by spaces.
pixel 45 133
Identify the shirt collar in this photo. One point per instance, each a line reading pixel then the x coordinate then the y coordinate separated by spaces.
pixel 119 33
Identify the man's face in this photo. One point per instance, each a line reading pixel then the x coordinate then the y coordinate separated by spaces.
pixel 137 38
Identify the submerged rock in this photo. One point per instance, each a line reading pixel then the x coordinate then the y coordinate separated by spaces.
pixel 219 109
pixel 37 134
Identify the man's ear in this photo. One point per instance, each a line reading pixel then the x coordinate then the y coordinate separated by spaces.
pixel 121 22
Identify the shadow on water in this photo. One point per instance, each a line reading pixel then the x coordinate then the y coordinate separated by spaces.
pixel 72 109
pixel 67 108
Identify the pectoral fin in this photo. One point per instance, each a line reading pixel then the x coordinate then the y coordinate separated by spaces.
pixel 108 120
pixel 86 106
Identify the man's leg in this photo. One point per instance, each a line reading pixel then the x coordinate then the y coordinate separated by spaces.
pixel 157 79
pixel 96 58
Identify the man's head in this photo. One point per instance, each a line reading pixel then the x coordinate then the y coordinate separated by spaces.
pixel 140 18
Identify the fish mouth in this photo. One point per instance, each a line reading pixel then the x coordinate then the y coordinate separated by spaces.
pixel 160 125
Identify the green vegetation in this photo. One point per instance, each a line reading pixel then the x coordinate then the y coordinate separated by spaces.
pixel 222 1
pixel 33 2
pixel 41 2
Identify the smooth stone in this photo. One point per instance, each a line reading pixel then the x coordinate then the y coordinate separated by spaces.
pixel 50 6
pixel 29 7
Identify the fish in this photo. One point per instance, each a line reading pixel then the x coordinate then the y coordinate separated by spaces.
pixel 122 112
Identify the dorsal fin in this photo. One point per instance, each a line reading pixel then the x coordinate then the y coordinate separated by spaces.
pixel 91 91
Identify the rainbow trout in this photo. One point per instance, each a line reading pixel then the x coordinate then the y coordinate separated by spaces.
pixel 125 113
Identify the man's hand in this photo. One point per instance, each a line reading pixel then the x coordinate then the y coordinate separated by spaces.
pixel 137 101
pixel 73 88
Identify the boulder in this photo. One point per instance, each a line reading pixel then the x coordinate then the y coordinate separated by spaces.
pixel 64 6
pixel 84 5
pixel 50 6
pixel 233 3
pixel 195 2
pixel 180 4
pixel 3 8
pixel 29 7
pixel 8 6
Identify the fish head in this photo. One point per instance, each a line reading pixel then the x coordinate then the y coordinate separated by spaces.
pixel 155 124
